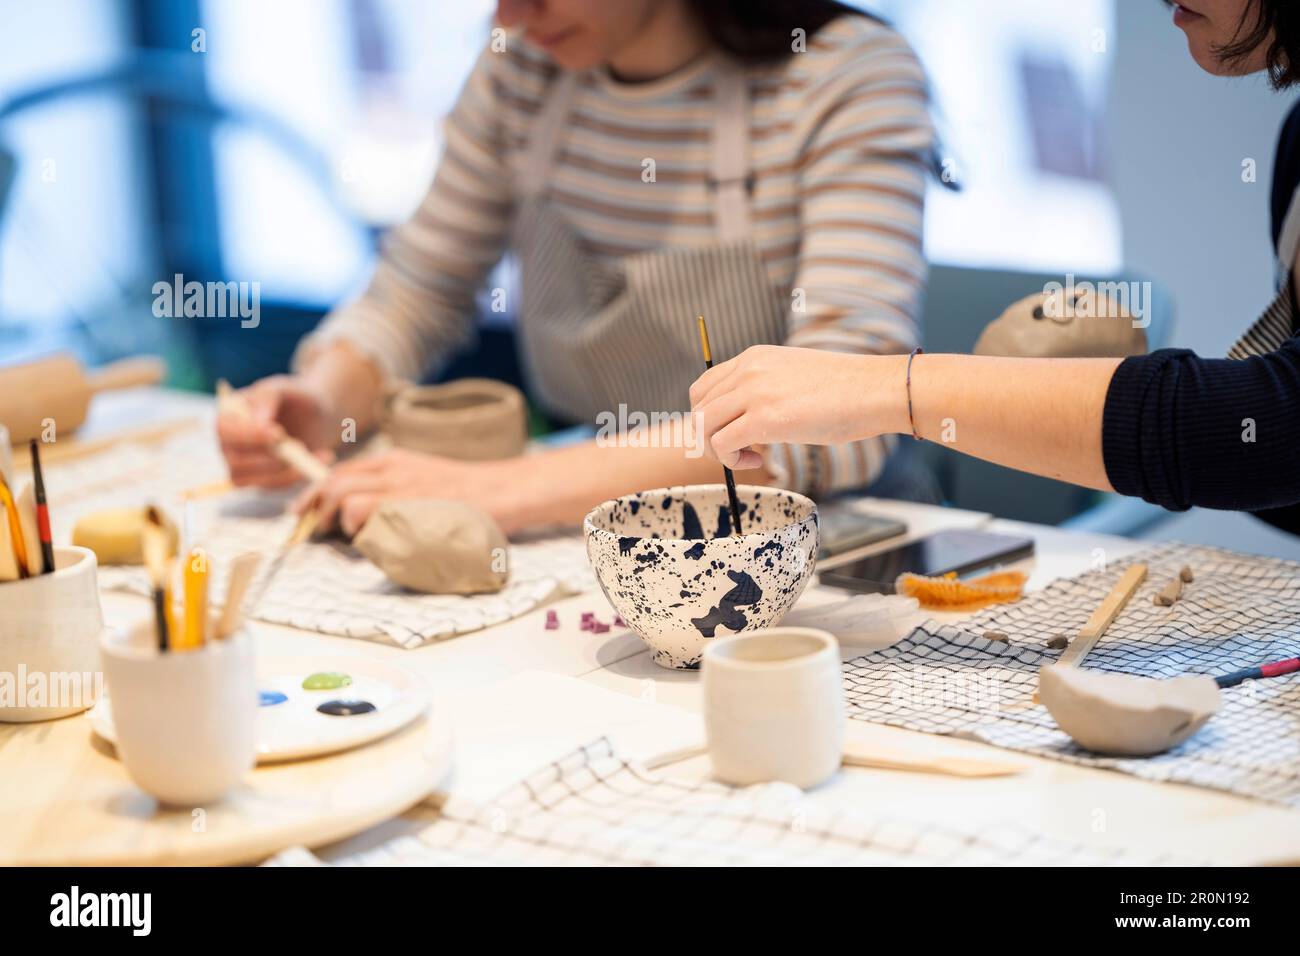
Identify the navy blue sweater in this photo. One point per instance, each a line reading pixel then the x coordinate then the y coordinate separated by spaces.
pixel 1183 431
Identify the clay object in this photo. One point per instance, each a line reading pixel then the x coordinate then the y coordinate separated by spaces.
pixel 1170 593
pixel 1125 716
pixel 117 535
pixel 472 419
pixel 1185 574
pixel 326 680
pixel 996 636
pixel 437 547
pixel 674 573
pixel 1084 325
pixel 1058 642
pixel 346 708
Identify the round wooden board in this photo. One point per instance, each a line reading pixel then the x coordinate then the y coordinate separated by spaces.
pixel 66 800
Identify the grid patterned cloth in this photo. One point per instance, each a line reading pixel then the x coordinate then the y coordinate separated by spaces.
pixel 1239 611
pixel 327 587
pixel 595 808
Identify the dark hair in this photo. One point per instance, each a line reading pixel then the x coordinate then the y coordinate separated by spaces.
pixel 762 30
pixel 1278 20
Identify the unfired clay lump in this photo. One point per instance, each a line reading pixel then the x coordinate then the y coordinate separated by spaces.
pixel 438 547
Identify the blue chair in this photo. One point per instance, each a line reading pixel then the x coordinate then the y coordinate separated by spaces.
pixel 960 302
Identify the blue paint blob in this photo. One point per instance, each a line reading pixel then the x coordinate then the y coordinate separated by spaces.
pixel 269 698
pixel 346 708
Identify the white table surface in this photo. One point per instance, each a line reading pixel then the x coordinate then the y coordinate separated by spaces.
pixel 520 695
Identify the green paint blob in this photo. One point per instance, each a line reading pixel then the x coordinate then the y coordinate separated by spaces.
pixel 326 680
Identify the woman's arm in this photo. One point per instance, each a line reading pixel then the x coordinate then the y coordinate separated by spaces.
pixel 554 486
pixel 1038 415
pixel 1177 430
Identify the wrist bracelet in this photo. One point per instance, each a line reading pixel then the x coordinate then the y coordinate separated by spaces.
pixel 910 420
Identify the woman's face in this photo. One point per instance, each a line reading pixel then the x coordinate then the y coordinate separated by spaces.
pixel 1213 24
pixel 578 34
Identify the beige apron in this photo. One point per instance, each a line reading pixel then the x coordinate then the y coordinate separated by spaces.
pixel 1277 324
pixel 597 334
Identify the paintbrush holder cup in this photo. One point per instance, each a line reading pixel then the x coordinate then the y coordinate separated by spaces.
pixel 50 629
pixel 774 706
pixel 184 721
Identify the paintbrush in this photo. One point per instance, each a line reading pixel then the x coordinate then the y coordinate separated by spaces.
pixel 17 542
pixel 42 512
pixel 302 531
pixel 287 448
pixel 157 559
pixel 727 476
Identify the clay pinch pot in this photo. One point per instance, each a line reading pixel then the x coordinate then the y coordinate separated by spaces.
pixel 668 563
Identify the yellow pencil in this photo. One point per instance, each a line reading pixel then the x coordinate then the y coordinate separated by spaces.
pixel 18 542
pixel 196 599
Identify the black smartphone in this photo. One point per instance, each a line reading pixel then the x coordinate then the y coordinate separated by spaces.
pixel 940 553
pixel 844 530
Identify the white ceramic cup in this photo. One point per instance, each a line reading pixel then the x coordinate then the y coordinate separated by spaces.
pixel 774 706
pixel 185 721
pixel 50 629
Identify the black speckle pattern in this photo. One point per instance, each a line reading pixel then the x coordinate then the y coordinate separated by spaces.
pixel 677 588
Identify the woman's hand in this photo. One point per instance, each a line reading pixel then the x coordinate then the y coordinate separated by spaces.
pixel 280 405
pixel 772 393
pixel 355 488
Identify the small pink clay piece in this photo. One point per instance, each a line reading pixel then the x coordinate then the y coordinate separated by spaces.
pixel 598 628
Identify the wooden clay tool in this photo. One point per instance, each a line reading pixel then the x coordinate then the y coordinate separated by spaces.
pixel 1105 614
pixel 242 571
pixel 878 758
pixel 157 559
pixel 57 388
pixel 727 476
pixel 287 448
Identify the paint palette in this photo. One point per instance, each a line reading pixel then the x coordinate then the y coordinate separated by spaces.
pixel 290 722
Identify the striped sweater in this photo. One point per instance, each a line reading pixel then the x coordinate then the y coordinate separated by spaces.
pixel 840 141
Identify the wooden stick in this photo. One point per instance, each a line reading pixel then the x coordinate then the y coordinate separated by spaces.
pixel 858 755
pixel 287 448
pixel 1106 613
pixel 242 571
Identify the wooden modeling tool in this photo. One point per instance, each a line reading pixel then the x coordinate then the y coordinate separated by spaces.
pixel 158 559
pixel 242 571
pixel 59 388
pixel 1105 614
pixel 287 448
pixel 42 512
pixel 17 543
pixel 878 758
pixel 727 476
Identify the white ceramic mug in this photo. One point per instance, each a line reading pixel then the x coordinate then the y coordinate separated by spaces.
pixel 50 629
pixel 185 721
pixel 774 706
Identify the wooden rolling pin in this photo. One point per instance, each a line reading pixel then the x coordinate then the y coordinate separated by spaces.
pixel 58 388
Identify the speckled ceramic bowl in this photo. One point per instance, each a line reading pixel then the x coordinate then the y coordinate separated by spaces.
pixel 667 561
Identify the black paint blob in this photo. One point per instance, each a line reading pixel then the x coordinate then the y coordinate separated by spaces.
pixel 745 592
pixel 346 708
